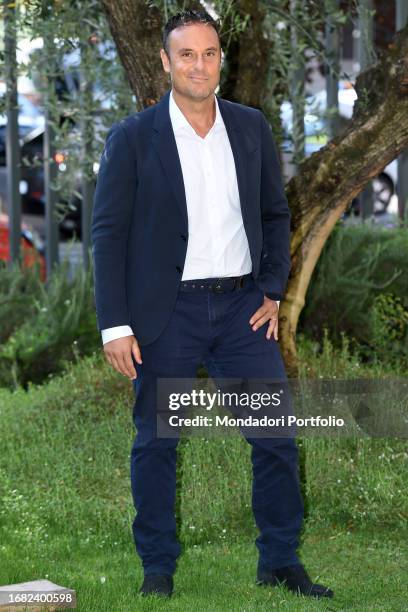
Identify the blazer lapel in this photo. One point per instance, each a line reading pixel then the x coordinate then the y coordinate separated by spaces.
pixel 165 144
pixel 242 147
pixel 166 147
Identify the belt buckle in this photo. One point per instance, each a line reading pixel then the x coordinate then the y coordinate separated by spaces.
pixel 217 288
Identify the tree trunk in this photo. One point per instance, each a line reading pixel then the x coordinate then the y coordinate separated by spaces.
pixel 327 181
pixel 338 172
pixel 137 31
pixel 246 57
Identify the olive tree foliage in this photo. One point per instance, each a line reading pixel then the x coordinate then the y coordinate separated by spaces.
pixel 112 50
pixel 256 42
pixel 72 52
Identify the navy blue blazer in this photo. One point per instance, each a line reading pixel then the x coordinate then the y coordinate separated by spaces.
pixel 139 227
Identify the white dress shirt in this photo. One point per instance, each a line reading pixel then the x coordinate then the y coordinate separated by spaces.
pixel 217 243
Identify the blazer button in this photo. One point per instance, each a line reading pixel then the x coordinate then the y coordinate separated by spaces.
pixel 178 268
pixel 183 237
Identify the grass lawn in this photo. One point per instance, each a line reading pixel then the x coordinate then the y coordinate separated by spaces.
pixel 367 571
pixel 66 510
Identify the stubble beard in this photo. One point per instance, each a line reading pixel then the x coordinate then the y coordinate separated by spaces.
pixel 193 94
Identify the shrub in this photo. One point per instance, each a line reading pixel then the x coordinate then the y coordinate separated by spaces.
pixel 51 325
pixel 360 281
pixel 19 292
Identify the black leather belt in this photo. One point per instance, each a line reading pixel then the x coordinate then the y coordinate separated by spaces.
pixel 218 285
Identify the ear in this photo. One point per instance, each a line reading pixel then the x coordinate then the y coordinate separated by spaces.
pixel 165 60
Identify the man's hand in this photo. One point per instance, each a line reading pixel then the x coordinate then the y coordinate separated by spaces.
pixel 119 354
pixel 267 312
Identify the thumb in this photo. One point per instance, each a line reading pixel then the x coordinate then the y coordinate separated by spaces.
pixel 136 352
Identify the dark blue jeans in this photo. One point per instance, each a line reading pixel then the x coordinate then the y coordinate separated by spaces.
pixel 211 329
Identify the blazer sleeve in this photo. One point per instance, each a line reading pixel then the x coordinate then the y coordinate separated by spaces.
pixel 111 216
pixel 275 213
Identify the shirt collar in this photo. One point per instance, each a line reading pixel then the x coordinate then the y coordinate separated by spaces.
pixel 178 120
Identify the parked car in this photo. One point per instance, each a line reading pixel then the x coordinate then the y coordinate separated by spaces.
pixel 32 182
pixel 316 136
pixel 31 247
pixel 30 117
pixel 32 189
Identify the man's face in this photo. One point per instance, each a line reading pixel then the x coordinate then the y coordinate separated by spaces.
pixel 194 60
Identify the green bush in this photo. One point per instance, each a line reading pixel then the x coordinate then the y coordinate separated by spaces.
pixel 44 327
pixel 19 292
pixel 360 288
pixel 389 324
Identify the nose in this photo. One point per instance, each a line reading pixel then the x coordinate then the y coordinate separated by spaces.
pixel 199 62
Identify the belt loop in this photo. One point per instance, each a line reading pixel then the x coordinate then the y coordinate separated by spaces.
pixel 239 282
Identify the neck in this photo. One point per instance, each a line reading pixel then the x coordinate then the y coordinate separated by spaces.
pixel 197 112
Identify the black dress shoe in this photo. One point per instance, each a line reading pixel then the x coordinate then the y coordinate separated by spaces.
pixel 295 578
pixel 157 584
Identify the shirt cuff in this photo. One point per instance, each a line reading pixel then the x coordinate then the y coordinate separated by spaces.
pixel 113 333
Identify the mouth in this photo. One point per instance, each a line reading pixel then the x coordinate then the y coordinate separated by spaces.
pixel 198 79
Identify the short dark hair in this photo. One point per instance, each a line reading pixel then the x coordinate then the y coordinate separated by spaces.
pixel 185 18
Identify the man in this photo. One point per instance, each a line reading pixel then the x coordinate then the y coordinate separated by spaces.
pixel 190 236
